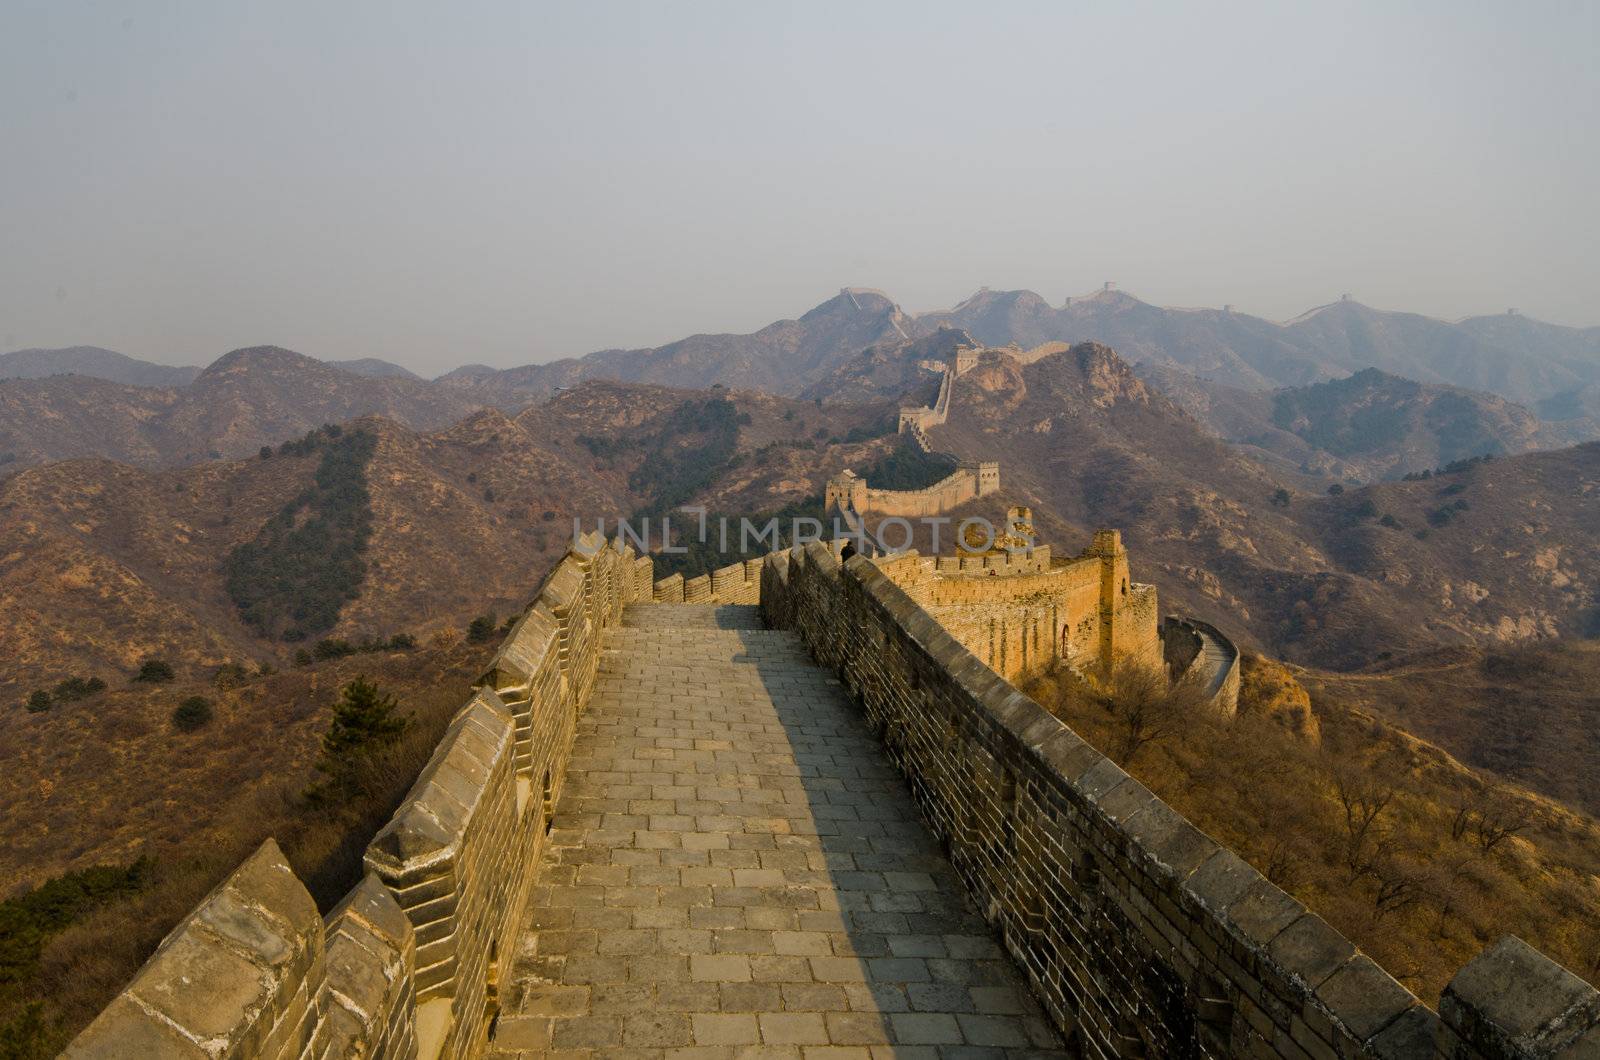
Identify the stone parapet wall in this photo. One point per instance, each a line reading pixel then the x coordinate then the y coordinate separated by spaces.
pixel 737 583
pixel 916 420
pixel 1189 642
pixel 1142 935
pixel 409 964
pixel 1022 610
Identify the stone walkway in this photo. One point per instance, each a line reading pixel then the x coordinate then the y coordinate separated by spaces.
pixel 738 872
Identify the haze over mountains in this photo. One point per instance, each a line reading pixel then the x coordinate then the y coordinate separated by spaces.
pixel 94 362
pixel 1517 357
pixel 1537 384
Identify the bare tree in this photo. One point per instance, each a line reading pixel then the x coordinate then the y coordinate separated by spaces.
pixel 1363 798
pixel 1490 817
pixel 1283 866
pixel 1398 886
pixel 1498 823
pixel 1146 708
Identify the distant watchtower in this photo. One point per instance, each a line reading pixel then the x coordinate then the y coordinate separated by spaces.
pixel 846 492
pixel 966 359
pixel 988 477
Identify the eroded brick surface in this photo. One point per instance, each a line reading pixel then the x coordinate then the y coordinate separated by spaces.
pixel 735 869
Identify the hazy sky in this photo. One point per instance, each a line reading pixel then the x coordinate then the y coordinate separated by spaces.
pixel 438 183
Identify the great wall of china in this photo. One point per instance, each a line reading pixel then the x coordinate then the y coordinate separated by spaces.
pixel 757 818
pixel 853 497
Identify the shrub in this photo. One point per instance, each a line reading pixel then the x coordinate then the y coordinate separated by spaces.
pixel 230 675
pixel 28 920
pixel 333 648
pixel 1366 509
pixel 1280 497
pixel 266 452
pixel 1335 489
pixel 1390 521
pixel 402 642
pixel 482 628
pixel 488 494
pixel 192 714
pixel 154 671
pixel 365 720
pixel 39 701
pixel 302 658
pixel 73 688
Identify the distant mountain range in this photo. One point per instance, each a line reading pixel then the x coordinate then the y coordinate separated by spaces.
pixel 94 362
pixel 240 402
pixel 1369 425
pixel 1515 356
pixel 1441 390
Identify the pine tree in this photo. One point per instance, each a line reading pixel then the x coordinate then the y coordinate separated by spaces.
pixel 364 719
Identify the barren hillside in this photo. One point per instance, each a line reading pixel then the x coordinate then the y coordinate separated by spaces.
pixel 1496 549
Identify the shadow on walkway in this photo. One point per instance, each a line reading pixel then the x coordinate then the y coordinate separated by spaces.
pixel 737 870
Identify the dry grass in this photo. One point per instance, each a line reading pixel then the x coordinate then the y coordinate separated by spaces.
pixel 1419 860
pixel 222 807
pixel 1530 713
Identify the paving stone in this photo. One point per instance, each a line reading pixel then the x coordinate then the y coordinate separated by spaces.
pixel 998 1031
pixel 926 1028
pixel 727 968
pixel 726 1029
pixel 793 1028
pixel 857 1028
pixel 738 871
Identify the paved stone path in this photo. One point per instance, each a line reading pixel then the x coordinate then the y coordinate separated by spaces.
pixel 736 871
